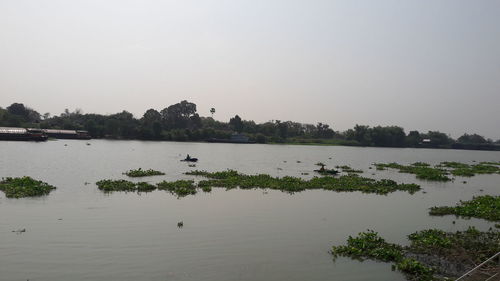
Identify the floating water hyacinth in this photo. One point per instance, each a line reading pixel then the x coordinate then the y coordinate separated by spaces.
pixel 351 182
pixel 143 173
pixel 431 252
pixel 24 187
pixel 485 207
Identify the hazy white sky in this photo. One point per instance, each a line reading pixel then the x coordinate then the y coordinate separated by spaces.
pixel 422 64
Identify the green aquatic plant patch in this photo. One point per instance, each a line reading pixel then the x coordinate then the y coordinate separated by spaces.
pixel 233 179
pixel 462 247
pixel 420 170
pixel 485 207
pixel 145 187
pixel 432 239
pixel 491 163
pixel 369 245
pixel 454 165
pixel 348 169
pixel 466 170
pixel 116 185
pixel 430 253
pixel 143 173
pixel 24 187
pixel 442 171
pixel 415 270
pixel 180 188
pixel 420 164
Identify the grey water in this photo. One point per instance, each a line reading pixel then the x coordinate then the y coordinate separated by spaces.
pixel 79 233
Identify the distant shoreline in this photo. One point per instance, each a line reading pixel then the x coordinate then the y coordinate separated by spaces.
pixel 181 122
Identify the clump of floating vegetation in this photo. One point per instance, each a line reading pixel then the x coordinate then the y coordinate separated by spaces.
pixel 466 170
pixel 485 207
pixel 143 173
pixel 464 249
pixel 24 187
pixel 369 245
pixel 116 185
pixel 124 185
pixel 419 169
pixel 491 163
pixel 180 188
pixel 431 252
pixel 232 179
pixel 348 169
pixel 440 172
pixel 145 187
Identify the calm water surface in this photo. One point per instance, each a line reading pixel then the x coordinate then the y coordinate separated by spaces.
pixel 80 233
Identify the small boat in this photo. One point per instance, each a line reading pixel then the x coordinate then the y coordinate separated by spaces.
pixel 189 159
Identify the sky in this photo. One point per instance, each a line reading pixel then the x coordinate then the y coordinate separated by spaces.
pixel 422 64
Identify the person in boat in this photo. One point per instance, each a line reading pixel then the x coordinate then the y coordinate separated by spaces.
pixel 188 157
pixel 322 169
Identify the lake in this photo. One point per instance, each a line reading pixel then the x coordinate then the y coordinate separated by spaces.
pixel 80 233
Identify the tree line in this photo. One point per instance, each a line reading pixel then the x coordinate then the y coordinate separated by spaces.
pixel 181 122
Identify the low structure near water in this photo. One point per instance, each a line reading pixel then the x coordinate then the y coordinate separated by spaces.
pixel 22 134
pixel 67 134
pixel 33 134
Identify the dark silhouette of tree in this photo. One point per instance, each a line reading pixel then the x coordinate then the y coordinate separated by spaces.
pixel 413 139
pixel 177 116
pixel 324 131
pixel 472 139
pixel 18 109
pixel 438 139
pixel 391 136
pixel 362 134
pixel 236 124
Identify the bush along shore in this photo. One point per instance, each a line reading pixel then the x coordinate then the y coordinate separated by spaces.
pixel 232 179
pixel 485 207
pixel 443 171
pixel 432 254
pixel 24 187
pixel 143 173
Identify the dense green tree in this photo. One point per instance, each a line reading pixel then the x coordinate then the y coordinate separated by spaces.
pixel 236 124
pixel 324 131
pixel 471 139
pixel 18 109
pixel 282 129
pixel 438 138
pixel 178 115
pixel 21 114
pixel 413 139
pixel 362 134
pixel 391 136
pixel 150 125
